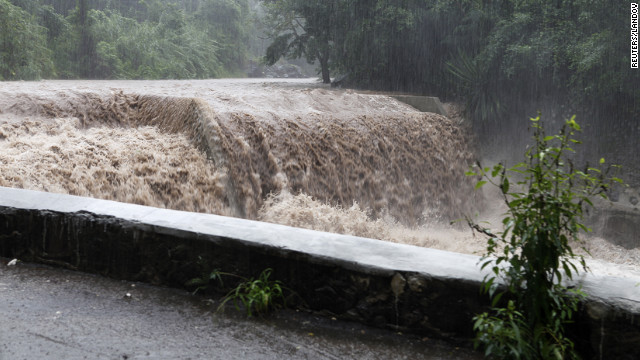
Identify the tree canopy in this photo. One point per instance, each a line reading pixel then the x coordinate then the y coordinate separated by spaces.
pixel 302 28
pixel 23 45
pixel 133 39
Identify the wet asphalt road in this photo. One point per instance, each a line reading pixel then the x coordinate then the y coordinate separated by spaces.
pixel 49 313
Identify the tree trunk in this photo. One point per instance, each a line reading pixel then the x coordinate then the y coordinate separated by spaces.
pixel 324 65
pixel 86 47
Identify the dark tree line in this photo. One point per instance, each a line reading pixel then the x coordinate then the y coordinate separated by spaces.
pixel 463 47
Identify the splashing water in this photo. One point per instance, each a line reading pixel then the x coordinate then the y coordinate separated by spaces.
pixel 395 163
pixel 288 153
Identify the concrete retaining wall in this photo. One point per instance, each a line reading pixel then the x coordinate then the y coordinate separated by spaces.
pixel 397 286
pixel 423 103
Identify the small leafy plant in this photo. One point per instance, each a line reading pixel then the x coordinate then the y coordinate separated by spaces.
pixel 504 334
pixel 258 296
pixel 206 280
pixel 533 255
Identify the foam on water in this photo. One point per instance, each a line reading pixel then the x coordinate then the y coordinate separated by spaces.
pixel 398 164
pixel 141 165
pixel 286 153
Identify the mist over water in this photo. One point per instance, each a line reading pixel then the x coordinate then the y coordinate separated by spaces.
pixel 285 152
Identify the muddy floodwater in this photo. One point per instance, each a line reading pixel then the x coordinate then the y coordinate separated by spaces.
pixel 292 152
pixel 56 314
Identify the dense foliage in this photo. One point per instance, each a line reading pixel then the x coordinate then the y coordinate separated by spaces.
pixel 535 48
pixel 300 28
pixel 532 255
pixel 23 45
pixel 134 39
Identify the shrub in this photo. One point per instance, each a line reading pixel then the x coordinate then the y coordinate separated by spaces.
pixel 532 255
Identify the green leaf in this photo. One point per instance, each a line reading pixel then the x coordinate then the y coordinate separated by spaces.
pixel 496 170
pixel 505 185
pixel 496 299
pixel 601 161
pixel 480 184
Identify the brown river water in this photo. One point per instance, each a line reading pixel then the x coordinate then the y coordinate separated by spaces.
pixel 292 152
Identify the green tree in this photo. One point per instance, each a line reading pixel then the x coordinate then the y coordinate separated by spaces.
pixel 126 39
pixel 226 22
pixel 23 45
pixel 384 45
pixel 303 28
pixel 170 48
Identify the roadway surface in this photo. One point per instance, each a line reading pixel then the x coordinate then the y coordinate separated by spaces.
pixel 49 313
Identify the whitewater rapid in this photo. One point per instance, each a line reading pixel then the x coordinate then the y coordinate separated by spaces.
pixel 293 152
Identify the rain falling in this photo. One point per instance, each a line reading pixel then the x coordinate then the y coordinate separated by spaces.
pixel 281 110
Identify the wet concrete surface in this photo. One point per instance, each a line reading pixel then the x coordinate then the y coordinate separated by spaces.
pixel 49 313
